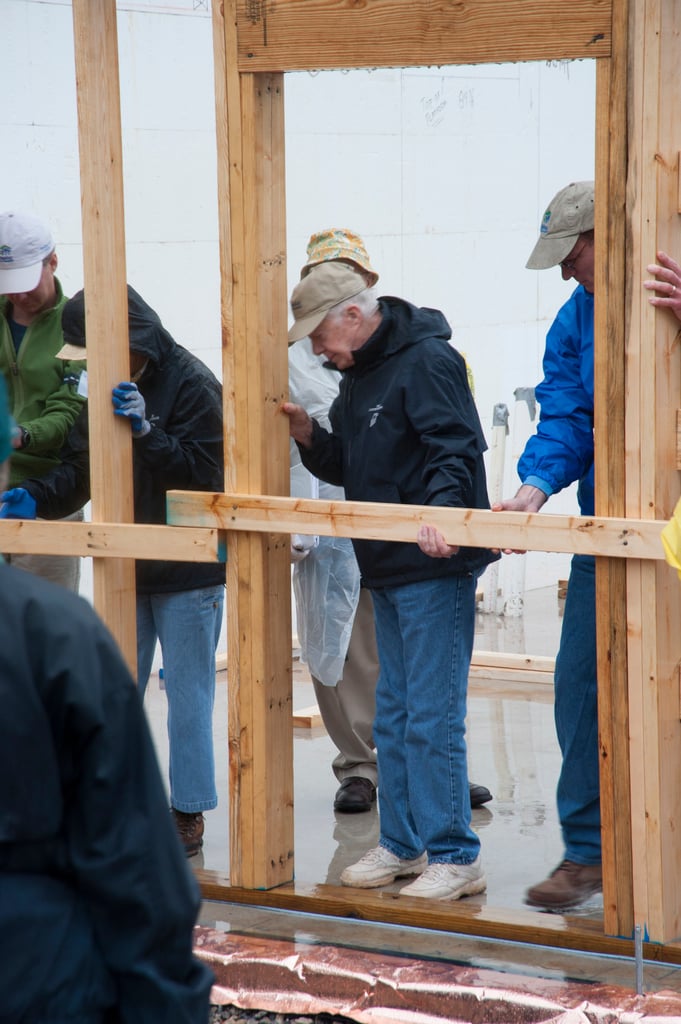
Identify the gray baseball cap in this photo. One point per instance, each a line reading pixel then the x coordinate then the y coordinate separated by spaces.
pixel 570 212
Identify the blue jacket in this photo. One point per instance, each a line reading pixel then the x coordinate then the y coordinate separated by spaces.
pixel 405 430
pixel 562 450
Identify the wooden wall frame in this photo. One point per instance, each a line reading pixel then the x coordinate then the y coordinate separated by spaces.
pixel 637 363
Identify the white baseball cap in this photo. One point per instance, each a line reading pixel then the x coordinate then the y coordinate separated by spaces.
pixel 25 241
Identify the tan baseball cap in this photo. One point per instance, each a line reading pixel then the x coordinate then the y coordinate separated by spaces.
pixel 570 212
pixel 319 291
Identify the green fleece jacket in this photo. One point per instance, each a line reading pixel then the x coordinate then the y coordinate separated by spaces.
pixel 42 389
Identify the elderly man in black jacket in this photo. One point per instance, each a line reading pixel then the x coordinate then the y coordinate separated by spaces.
pixel 97 905
pixel 174 407
pixel 405 429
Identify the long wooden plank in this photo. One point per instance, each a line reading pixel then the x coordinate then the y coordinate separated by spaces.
pixel 112 540
pixel 506 924
pixel 609 420
pixel 250 134
pixel 531 667
pixel 106 314
pixel 292 35
pixel 474 527
pixel 652 483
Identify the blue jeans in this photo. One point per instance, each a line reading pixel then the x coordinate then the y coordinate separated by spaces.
pixel 187 624
pixel 424 633
pixel 576 714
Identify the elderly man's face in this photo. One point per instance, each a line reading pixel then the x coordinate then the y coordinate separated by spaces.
pixel 338 335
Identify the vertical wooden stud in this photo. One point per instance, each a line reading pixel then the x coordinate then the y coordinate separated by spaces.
pixel 653 368
pixel 101 177
pixel 609 405
pixel 250 123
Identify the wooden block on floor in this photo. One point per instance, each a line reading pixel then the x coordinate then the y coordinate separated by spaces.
pixel 307 718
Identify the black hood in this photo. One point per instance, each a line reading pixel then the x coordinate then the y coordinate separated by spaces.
pixel 148 336
pixel 402 325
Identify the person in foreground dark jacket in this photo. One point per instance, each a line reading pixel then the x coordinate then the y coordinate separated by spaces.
pixel 405 430
pixel 97 905
pixel 174 407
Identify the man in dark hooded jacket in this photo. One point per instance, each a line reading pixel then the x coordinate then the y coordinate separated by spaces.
pixel 174 406
pixel 404 429
pixel 97 906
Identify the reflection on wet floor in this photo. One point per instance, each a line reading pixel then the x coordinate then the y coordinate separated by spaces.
pixel 512 749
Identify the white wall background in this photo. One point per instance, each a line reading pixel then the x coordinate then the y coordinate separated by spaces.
pixel 445 172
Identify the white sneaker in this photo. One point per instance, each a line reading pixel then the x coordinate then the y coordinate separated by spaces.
pixel 448 881
pixel 380 867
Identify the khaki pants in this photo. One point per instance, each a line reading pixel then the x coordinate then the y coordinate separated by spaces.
pixel 348 708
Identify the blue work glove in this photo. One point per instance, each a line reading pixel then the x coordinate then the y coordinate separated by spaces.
pixel 127 401
pixel 17 504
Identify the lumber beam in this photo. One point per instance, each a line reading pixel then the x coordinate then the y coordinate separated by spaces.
pixel 252 232
pixel 653 368
pixel 106 314
pixel 112 540
pixel 609 445
pixel 619 538
pixel 293 35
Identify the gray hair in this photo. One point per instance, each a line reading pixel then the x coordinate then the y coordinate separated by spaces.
pixel 367 300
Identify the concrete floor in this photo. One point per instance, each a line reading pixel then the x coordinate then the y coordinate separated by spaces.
pixel 512 750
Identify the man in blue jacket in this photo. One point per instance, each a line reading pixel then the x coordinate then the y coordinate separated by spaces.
pixel 404 429
pixel 97 905
pixel 558 454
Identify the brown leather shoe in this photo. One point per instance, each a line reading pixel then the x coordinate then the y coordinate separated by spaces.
pixel 567 886
pixel 190 830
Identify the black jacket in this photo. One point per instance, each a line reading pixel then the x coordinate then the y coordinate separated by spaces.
pixel 97 904
pixel 405 431
pixel 183 449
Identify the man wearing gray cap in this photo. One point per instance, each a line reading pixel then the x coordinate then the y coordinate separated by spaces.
pixel 404 429
pixel 560 453
pixel 43 390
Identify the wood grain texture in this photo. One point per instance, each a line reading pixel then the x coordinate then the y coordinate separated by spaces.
pixel 250 126
pixel 291 35
pixel 112 540
pixel 106 315
pixel 512 925
pixel 472 527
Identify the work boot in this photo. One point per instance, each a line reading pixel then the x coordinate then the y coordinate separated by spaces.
pixel 380 867
pixel 567 886
pixel 479 794
pixel 190 830
pixel 354 794
pixel 448 881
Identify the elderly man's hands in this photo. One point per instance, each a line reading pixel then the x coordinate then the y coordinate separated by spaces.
pixel 299 423
pixel 667 284
pixel 527 499
pixel 433 543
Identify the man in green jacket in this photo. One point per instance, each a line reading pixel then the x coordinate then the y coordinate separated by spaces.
pixel 43 390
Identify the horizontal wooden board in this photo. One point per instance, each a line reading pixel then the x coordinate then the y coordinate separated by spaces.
pixel 617 538
pixel 112 540
pixel 294 35
pixel 562 931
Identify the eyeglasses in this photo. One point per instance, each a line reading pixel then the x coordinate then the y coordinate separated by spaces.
pixel 572 263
